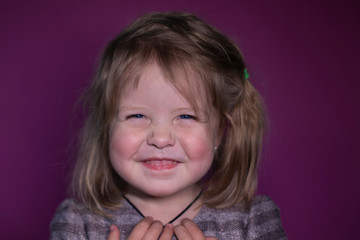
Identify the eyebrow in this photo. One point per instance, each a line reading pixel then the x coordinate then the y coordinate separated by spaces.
pixel 130 108
pixel 134 108
pixel 184 109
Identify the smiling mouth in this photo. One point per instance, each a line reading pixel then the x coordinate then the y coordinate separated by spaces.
pixel 160 164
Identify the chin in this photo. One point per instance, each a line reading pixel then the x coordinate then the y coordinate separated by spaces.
pixel 158 193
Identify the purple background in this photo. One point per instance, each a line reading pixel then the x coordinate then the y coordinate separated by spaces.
pixel 303 56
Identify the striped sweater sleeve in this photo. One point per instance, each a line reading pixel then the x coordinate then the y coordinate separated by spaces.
pixel 264 220
pixel 74 221
pixel 67 223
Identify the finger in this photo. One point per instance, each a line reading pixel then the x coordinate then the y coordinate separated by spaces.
pixel 167 233
pixel 211 238
pixel 141 228
pixel 182 233
pixel 114 233
pixel 193 229
pixel 154 231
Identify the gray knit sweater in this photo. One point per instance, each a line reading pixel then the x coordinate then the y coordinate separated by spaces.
pixel 74 221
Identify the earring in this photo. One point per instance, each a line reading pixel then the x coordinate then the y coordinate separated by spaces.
pixel 215 148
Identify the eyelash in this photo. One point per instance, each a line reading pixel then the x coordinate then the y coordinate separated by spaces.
pixel 186 116
pixel 183 116
pixel 135 116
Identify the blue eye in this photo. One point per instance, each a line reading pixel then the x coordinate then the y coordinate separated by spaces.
pixel 185 116
pixel 135 116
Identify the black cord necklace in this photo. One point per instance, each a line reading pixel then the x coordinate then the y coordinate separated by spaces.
pixel 182 212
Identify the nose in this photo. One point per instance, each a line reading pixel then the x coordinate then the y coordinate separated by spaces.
pixel 161 137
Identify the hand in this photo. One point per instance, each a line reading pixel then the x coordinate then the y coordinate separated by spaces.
pixel 146 229
pixel 188 230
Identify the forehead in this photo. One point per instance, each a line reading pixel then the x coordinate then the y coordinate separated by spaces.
pixel 184 80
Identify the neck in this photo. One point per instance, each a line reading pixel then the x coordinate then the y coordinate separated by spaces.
pixel 176 203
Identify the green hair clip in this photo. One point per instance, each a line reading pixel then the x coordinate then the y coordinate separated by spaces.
pixel 246 74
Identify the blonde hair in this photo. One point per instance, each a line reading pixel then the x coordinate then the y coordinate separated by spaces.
pixel 180 43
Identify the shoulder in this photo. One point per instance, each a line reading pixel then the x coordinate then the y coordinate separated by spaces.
pixel 71 210
pixel 261 204
pixel 73 220
pixel 70 206
pixel 260 221
pixel 264 220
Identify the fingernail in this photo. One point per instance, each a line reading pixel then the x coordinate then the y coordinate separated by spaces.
pixel 183 220
pixel 112 228
pixel 169 225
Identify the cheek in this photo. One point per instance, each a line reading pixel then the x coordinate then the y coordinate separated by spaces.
pixel 199 149
pixel 123 144
pixel 200 158
pixel 117 149
pixel 199 146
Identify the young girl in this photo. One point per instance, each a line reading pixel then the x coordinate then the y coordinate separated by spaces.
pixel 173 133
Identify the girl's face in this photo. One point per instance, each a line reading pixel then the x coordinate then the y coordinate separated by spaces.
pixel 158 144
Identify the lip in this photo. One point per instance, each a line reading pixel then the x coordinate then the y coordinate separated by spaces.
pixel 159 164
